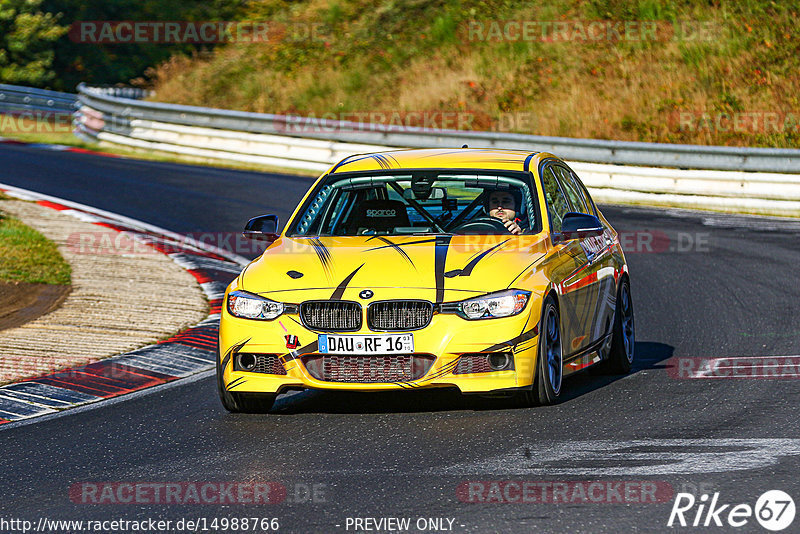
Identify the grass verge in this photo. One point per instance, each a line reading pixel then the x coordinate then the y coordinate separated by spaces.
pixel 27 256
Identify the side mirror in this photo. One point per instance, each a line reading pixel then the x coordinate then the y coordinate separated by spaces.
pixel 579 225
pixel 262 228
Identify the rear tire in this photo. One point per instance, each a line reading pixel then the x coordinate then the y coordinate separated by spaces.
pixel 620 357
pixel 547 382
pixel 242 402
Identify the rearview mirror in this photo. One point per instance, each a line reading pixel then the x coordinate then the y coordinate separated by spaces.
pixel 434 193
pixel 580 225
pixel 262 228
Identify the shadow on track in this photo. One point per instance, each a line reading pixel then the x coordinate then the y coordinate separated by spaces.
pixel 649 355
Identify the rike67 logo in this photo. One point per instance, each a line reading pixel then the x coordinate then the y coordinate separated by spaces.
pixel 774 510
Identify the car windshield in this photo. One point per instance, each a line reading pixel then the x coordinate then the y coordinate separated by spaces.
pixel 416 203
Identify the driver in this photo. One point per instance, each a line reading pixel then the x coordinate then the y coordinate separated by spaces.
pixel 503 204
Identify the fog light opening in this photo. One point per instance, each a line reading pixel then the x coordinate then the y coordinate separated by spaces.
pixel 499 361
pixel 246 361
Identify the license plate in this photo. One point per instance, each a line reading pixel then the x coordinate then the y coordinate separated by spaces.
pixel 379 344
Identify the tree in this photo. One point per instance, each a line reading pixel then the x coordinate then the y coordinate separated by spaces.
pixel 27 42
pixel 100 64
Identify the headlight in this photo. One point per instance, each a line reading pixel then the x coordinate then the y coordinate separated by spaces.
pixel 493 306
pixel 250 306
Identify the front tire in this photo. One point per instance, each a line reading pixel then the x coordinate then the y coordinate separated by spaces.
pixel 620 357
pixel 549 375
pixel 242 402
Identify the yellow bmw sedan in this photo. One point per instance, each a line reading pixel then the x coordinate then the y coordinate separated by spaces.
pixel 490 271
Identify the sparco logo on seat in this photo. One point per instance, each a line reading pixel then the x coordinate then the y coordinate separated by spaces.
pixel 381 213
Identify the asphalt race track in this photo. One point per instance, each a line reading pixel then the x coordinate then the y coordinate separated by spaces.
pixel 704 286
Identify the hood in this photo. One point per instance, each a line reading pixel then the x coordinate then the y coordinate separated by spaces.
pixel 436 268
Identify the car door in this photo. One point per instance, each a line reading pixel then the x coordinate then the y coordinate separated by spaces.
pixel 568 268
pixel 605 265
pixel 600 270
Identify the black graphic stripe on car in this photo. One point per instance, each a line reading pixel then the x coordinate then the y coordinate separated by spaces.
pixel 531 264
pixel 533 332
pixel 440 257
pixel 339 291
pixel 445 369
pixel 381 161
pixel 231 351
pixel 293 355
pixel 322 253
pixel 396 247
pixel 526 166
pixel 238 382
pixel 466 271
pixel 417 242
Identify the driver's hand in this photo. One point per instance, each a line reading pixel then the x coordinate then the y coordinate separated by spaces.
pixel 513 227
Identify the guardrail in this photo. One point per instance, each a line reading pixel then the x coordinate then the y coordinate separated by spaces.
pixel 589 150
pixel 19 99
pixel 758 180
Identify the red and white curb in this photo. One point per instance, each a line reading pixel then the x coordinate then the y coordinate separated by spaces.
pixel 57 148
pixel 187 353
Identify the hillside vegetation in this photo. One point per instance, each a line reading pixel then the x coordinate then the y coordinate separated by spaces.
pixel 719 72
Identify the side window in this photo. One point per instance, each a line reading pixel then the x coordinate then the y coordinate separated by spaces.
pixel 557 205
pixel 572 191
pixel 582 189
pixel 335 214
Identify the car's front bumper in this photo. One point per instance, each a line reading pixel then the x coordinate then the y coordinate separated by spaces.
pixel 447 338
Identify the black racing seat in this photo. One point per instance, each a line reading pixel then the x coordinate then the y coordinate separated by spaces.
pixel 378 215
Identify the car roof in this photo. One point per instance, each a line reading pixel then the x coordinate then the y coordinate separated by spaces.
pixel 441 158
